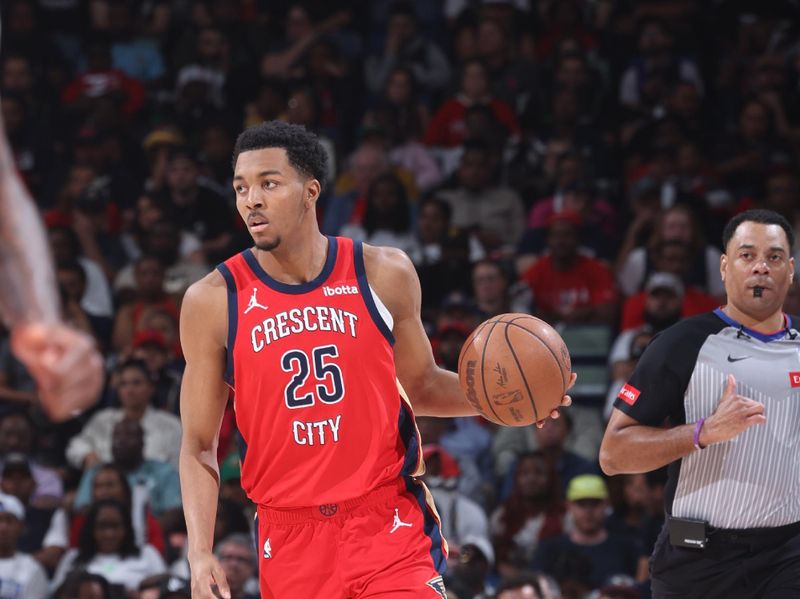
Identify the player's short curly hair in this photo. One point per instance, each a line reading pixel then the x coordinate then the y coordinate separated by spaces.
pixel 302 147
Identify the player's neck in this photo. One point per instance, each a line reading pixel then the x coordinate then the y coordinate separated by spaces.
pixel 768 324
pixel 293 262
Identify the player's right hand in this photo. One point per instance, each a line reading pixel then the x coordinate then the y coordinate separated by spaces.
pixel 734 414
pixel 208 578
pixel 65 364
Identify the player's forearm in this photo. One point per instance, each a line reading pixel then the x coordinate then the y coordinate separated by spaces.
pixel 199 473
pixel 441 396
pixel 637 449
pixel 26 275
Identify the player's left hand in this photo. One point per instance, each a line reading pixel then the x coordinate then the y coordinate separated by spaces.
pixel 65 364
pixel 565 401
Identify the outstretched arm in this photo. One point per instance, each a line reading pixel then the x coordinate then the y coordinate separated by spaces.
pixel 433 391
pixel 203 398
pixel 27 277
pixel 64 362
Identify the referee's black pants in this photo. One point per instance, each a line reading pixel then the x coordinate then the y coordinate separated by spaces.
pixel 736 564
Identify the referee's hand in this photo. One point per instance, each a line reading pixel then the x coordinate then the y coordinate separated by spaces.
pixel 734 415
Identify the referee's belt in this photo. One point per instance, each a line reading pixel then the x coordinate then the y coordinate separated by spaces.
pixel 755 538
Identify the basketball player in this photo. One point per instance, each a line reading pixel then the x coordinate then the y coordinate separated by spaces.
pixel 312 334
pixel 64 362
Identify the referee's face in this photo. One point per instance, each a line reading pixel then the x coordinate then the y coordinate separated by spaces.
pixel 757 269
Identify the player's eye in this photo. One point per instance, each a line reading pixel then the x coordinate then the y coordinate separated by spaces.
pixel 270 185
pixel 240 189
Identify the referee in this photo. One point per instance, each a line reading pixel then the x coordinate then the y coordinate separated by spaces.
pixel 717 397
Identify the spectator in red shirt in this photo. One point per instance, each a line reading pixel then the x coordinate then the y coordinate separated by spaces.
pixel 566 285
pixel 447 128
pixel 662 291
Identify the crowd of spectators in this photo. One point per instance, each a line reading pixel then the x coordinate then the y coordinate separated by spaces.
pixel 573 159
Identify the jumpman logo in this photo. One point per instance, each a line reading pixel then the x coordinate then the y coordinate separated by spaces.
pixel 254 302
pixel 398 522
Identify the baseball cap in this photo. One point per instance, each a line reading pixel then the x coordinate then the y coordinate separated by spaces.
pixel 664 280
pixel 16 462
pixel 149 336
pixel 587 486
pixel 11 505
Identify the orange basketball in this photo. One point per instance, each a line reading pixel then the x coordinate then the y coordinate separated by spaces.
pixel 514 369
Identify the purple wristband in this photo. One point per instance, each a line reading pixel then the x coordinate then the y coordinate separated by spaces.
pixel 697 428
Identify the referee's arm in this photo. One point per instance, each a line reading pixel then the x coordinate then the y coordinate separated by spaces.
pixel 631 447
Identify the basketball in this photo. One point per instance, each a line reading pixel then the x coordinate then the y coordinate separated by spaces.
pixel 514 369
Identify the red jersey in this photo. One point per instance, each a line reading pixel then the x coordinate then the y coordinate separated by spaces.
pixel 316 397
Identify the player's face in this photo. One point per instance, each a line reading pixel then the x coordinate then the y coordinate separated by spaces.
pixel 272 197
pixel 757 269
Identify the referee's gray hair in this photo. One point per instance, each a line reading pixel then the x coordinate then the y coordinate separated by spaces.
pixel 240 539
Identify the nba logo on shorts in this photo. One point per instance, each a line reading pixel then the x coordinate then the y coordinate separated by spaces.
pixel 267 549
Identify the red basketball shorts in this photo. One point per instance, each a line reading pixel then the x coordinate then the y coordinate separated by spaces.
pixel 387 543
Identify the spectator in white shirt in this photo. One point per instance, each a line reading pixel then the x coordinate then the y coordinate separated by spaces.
pixel 21 576
pixel 162 430
pixel 107 547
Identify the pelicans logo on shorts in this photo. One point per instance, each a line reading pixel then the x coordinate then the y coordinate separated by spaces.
pixel 437 584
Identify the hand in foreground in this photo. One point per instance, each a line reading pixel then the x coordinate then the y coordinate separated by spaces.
pixel 208 578
pixel 65 364
pixel 734 415
pixel 565 401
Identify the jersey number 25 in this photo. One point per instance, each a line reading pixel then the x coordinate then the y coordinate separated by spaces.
pixel 330 386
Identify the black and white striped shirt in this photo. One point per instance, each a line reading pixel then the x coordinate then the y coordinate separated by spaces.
pixel 752 480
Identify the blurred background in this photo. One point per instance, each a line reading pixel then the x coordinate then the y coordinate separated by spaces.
pixel 572 159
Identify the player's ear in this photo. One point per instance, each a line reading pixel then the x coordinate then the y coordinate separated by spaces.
pixel 311 193
pixel 723 266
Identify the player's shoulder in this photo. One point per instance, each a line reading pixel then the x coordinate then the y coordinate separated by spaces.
pixel 205 298
pixel 386 257
pixel 392 275
pixel 388 265
pixel 213 283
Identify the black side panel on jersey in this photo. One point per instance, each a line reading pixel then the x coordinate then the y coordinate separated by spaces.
pixel 661 377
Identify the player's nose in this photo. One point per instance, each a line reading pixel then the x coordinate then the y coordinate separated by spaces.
pixel 255 198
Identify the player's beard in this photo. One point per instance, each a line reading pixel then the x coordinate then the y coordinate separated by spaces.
pixel 268 246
